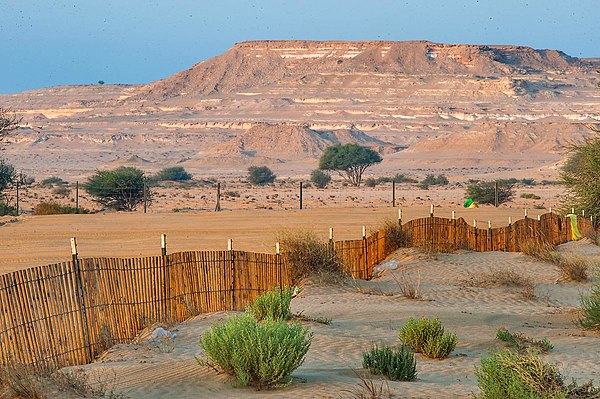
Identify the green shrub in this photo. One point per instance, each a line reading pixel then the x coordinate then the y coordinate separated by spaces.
pixel 399 178
pixel 397 364
pixel 54 208
pixel 6 209
pixel 319 178
pixel 273 305
pixel 521 343
pixel 51 181
pixel 428 337
pixel 590 306
pixel 370 182
pixel 530 196
pixel 431 180
pixel 261 354
pixel 260 175
pixel 175 173
pixel 508 375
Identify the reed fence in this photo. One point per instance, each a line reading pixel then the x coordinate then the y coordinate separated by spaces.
pixel 67 313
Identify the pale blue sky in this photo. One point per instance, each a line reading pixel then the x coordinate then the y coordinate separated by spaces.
pixel 46 43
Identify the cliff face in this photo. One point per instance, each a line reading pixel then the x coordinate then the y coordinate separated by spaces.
pixel 257 64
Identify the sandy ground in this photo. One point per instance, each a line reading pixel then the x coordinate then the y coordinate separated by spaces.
pixel 366 313
pixel 38 240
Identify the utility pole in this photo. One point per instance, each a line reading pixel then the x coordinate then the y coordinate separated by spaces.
pixel 300 195
pixel 218 206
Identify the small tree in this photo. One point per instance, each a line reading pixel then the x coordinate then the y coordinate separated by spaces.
pixel 485 192
pixel 8 177
pixel 9 121
pixel 260 175
pixel 350 161
pixel 319 178
pixel 580 174
pixel 121 189
pixel 432 180
pixel 175 173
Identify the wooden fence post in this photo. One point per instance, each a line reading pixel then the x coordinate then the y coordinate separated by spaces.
pixel 475 234
pixel 331 242
pixel 431 229
pixel 232 271
pixel 166 286
pixel 218 205
pixel 80 292
pixel 454 230
pixel 280 264
pixel 393 193
pixel 491 245
pixel 365 250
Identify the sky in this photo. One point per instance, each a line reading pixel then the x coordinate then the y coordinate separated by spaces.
pixel 46 43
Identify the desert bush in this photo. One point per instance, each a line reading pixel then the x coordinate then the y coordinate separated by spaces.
pixel 7 209
pixel 261 354
pixel 519 342
pixel 370 182
pixel 530 196
pixel 432 180
pixel 61 190
pixel 427 336
pixel 590 306
pixel 319 178
pixel 121 189
pixel 573 267
pixel 484 192
pixel 398 178
pixel 397 364
pixel 260 175
pixel 174 173
pixel 393 235
pixel 54 208
pixel 52 181
pixel 309 257
pixel 528 182
pixel 273 305
pixel 507 375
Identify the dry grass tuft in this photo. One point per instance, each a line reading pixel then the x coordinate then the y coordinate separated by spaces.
pixel 504 278
pixel 409 287
pixel 572 267
pixel 310 257
pixel 393 235
pixel 369 389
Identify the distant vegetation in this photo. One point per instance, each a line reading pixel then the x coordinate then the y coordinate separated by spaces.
pixel 175 173
pixel 349 160
pixel 484 192
pixel 319 178
pixel 7 178
pixel 530 196
pixel 432 180
pixel 121 189
pixel 53 181
pixel 260 175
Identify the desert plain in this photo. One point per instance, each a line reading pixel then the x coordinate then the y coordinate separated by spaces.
pixel 465 111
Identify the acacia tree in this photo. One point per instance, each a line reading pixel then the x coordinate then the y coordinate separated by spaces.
pixel 485 192
pixel 121 189
pixel 350 161
pixel 581 175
